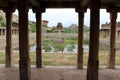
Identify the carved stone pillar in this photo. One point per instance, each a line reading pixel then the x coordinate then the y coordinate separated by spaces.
pixel 80 37
pixel 38 12
pixel 24 62
pixel 8 37
pixel 4 31
pixel 0 32
pixel 112 52
pixel 93 61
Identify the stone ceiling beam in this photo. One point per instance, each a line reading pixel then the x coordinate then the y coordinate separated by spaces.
pixel 4 3
pixel 63 4
pixel 13 0
pixel 35 2
pixel 117 3
pixel 84 3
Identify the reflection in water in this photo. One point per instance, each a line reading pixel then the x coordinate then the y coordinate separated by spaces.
pixel 86 48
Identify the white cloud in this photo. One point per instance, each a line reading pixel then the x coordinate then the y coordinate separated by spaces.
pixel 68 16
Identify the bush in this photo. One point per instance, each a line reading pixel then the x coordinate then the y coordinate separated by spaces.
pixel 71 47
pixel 3 24
pixel 47 48
pixel 33 28
pixel 59 47
pixel 86 41
pixel 1 18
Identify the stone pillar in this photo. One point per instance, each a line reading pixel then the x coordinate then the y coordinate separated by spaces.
pixel 116 33
pixel 8 37
pixel 3 31
pixel 12 31
pixel 105 33
pixel 93 61
pixel 38 36
pixel 24 62
pixel 0 32
pixel 111 61
pixel 16 31
pixel 80 37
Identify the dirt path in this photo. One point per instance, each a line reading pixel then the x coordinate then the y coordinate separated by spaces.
pixel 58 74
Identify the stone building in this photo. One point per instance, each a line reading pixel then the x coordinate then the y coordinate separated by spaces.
pixel 14 24
pixel 59 27
pixel 73 26
pixel 44 25
pixel 105 29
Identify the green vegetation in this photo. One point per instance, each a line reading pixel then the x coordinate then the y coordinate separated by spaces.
pixel 103 49
pixel 47 42
pixel 47 48
pixel 32 28
pixel 52 30
pixel 2 22
pixel 86 41
pixel 71 47
pixel 62 59
pixel 1 18
pixel 59 47
pixel 71 41
pixel 68 30
pixel 86 28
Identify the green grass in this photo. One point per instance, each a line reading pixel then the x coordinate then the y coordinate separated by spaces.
pixel 2 58
pixel 61 59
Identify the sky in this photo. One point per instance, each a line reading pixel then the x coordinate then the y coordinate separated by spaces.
pixel 68 17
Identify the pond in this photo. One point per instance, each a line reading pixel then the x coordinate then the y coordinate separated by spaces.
pixel 66 49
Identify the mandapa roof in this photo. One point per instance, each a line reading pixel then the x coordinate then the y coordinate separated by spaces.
pixel 108 25
pixel 60 3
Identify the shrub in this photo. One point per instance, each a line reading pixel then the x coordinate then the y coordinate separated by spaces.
pixel 3 24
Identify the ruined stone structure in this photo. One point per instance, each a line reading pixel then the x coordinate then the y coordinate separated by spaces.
pixel 44 25
pixel 38 7
pixel 59 36
pixel 14 24
pixel 59 27
pixel 73 26
pixel 105 29
pixel 3 31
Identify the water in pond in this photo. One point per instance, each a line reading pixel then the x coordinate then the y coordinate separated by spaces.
pixel 86 48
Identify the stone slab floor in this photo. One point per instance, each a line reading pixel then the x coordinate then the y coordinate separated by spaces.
pixel 58 74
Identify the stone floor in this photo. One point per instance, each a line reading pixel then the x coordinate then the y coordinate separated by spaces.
pixel 57 73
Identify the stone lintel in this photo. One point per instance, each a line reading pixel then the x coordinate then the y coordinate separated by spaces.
pixel 80 9
pixel 113 9
pixel 38 9
pixel 9 9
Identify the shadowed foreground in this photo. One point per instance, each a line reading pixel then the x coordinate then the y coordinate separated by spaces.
pixel 58 74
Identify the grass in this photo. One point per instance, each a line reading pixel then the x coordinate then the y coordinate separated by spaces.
pixel 62 59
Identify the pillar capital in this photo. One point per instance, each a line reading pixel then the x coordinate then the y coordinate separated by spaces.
pixel 22 3
pixel 38 9
pixel 80 9
pixel 113 14
pixel 10 9
pixel 95 4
